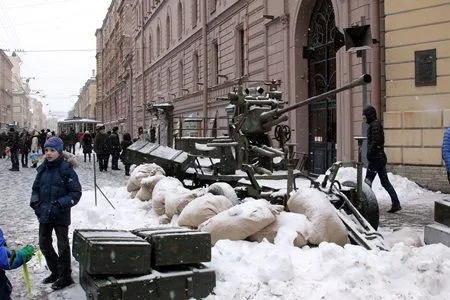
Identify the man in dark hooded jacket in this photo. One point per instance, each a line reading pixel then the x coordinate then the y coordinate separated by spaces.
pixel 114 143
pixel 377 157
pixel 14 145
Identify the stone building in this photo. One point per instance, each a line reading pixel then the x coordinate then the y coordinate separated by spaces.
pixel 5 90
pixel 417 88
pixel 115 105
pixel 21 93
pixel 87 98
pixel 190 53
pixel 37 119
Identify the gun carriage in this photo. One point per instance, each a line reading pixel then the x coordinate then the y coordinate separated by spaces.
pixel 247 155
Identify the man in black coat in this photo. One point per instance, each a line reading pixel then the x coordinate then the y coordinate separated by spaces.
pixel 14 144
pixel 377 157
pixel 114 143
pixel 101 148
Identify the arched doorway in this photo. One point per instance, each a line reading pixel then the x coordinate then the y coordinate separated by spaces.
pixel 322 78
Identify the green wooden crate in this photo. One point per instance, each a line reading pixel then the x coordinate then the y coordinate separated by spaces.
pixel 111 252
pixel 189 282
pixel 176 246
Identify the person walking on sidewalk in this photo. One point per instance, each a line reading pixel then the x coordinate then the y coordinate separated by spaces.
pixel 13 144
pixel 377 157
pixel 55 190
pixel 446 151
pixel 101 148
pixel 126 142
pixel 114 143
pixel 87 145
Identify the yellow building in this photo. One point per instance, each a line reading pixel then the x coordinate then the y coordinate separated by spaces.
pixel 417 42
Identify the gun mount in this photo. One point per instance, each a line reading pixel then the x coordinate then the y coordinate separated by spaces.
pixel 257 113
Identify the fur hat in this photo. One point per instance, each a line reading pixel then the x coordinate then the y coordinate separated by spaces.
pixel 56 143
pixel 100 127
pixel 115 128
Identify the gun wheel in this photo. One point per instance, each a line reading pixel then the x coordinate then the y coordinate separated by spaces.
pixel 368 205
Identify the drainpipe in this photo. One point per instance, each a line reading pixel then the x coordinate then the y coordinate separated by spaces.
pixel 205 68
pixel 376 63
pixel 287 65
pixel 144 106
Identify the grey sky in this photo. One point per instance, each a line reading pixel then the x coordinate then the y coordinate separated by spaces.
pixel 58 37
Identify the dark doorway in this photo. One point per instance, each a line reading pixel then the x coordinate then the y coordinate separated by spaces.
pixel 322 78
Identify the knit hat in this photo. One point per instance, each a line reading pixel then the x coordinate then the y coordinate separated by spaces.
pixel 56 143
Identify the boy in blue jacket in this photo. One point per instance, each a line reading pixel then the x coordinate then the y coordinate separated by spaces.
pixel 55 190
pixel 11 259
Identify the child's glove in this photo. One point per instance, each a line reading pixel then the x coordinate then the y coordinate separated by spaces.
pixel 20 256
pixel 27 252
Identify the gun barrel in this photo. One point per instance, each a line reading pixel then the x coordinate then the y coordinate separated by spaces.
pixel 364 79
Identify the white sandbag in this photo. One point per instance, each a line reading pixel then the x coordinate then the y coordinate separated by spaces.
pixel 131 187
pixel 147 185
pixel 150 181
pixel 406 235
pixel 143 194
pixel 163 220
pixel 297 223
pixel 133 194
pixel 162 188
pixel 202 208
pixel 140 172
pixel 176 202
pixel 224 189
pixel 241 221
pixel 326 225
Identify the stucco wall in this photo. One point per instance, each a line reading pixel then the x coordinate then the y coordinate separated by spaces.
pixel 416 116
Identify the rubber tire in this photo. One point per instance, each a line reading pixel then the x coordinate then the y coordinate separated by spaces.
pixel 371 210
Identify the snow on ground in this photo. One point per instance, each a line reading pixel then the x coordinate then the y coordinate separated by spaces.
pixel 248 270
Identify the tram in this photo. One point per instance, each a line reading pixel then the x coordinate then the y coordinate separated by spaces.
pixel 78 124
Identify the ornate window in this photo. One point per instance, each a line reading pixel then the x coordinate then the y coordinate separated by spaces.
pixel 168 32
pixel 180 20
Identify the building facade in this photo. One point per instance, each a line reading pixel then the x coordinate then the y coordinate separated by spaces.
pixel 115 105
pixel 85 105
pixel 191 53
pixel 21 92
pixel 37 119
pixel 6 98
pixel 417 88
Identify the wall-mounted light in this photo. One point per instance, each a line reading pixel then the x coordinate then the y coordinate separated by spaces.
pixel 173 94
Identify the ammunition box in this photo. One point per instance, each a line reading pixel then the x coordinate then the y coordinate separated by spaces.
pixel 190 282
pixel 176 246
pixel 111 252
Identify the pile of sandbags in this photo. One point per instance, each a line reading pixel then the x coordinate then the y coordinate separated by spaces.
pixel 241 221
pixel 216 209
pixel 142 180
pixel 325 223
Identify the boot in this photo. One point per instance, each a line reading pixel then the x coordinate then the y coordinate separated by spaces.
pixel 50 279
pixel 395 208
pixel 62 283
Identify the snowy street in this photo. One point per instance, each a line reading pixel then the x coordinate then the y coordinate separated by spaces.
pixel 247 270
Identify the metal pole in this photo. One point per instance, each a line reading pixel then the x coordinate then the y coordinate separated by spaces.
pixel 359 166
pixel 95 178
pixel 362 54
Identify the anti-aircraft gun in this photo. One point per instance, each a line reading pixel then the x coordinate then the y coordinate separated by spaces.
pixel 255 115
